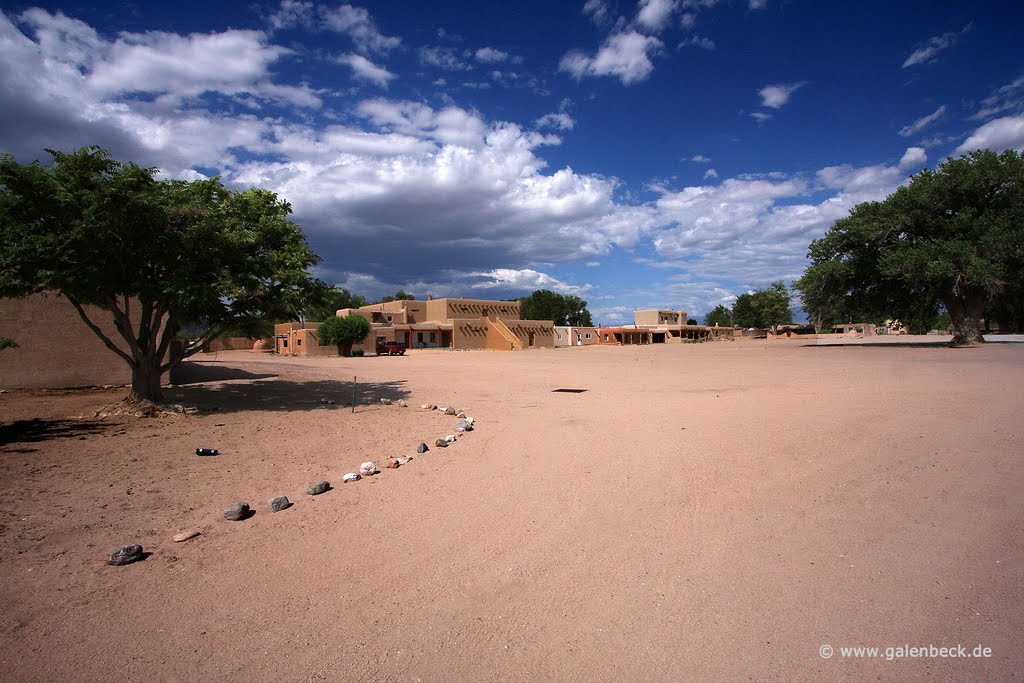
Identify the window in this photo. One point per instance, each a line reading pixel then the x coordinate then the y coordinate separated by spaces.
pixel 298 342
pixel 433 337
pixel 389 318
pixel 419 337
pixel 588 335
pixel 284 343
pixel 606 337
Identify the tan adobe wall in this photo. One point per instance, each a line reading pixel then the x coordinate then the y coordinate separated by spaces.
pixel 470 334
pixel 446 309
pixel 234 344
pixel 55 348
pixel 659 318
pixel 538 334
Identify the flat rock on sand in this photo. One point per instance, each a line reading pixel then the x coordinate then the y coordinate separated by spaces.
pixel 185 536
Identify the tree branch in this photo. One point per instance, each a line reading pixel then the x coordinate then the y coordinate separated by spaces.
pixel 124 326
pixel 195 347
pixel 99 333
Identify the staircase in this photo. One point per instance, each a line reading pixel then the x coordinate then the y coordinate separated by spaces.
pixel 500 337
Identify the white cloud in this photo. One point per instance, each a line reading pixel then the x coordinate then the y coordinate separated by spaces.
pixel 655 14
pixel 357 24
pixel 698 41
pixel 442 57
pixel 914 156
pixel 625 55
pixel 758 4
pixel 998 135
pixel 777 95
pixel 926 52
pixel 490 55
pixel 597 10
pixel 366 70
pixel 710 173
pixel 760 116
pixel 292 13
pixel 559 120
pixel 1007 98
pixel 526 280
pixel 700 159
pixel 921 123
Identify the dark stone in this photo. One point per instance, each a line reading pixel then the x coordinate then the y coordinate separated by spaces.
pixel 237 512
pixel 441 443
pixel 422 448
pixel 126 554
pixel 318 488
pixel 280 503
pixel 450 411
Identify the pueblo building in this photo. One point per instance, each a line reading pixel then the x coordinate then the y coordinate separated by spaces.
pixel 452 323
pixel 661 326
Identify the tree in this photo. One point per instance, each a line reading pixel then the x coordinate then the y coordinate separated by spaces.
pixel 767 307
pixel 326 303
pixel 691 321
pixel 400 295
pixel 953 236
pixel 343 332
pixel 150 253
pixel 561 309
pixel 719 315
pixel 7 343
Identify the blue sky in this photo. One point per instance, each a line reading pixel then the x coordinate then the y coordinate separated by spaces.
pixel 666 153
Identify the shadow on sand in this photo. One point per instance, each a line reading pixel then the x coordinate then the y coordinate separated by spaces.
pixel 285 395
pixel 36 430
pixel 882 345
pixel 212 371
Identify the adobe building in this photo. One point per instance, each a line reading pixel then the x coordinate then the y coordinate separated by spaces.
pixel 55 348
pixel 300 339
pixel 454 323
pixel 569 335
pixel 661 326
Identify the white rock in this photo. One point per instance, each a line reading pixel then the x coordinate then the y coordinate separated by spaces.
pixel 402 403
pixel 403 460
pixel 367 468
pixel 351 476
pixel 450 438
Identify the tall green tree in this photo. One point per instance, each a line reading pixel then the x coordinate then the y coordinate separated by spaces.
pixel 325 304
pixel 766 307
pixel 561 309
pixel 400 295
pixel 719 315
pixel 952 237
pixel 149 253
pixel 343 332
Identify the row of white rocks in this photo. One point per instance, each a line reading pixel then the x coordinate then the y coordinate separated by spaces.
pixel 238 511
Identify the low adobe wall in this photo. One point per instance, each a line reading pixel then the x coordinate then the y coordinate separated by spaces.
pixel 55 348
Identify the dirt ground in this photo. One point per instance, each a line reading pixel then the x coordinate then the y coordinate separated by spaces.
pixel 702 512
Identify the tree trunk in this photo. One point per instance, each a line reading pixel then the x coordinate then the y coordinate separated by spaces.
pixel 345 350
pixel 966 314
pixel 146 381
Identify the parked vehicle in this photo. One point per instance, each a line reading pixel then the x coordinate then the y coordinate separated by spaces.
pixel 390 348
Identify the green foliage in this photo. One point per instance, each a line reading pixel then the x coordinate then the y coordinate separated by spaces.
pixel 561 309
pixel 108 233
pixel 952 237
pixel 343 332
pixel 764 307
pixel 7 343
pixel 691 321
pixel 327 301
pixel 719 315
pixel 400 295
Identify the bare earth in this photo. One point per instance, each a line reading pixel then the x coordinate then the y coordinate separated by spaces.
pixel 711 512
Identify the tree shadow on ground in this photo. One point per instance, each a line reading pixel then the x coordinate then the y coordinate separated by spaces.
pixel 36 430
pixel 212 371
pixel 286 395
pixel 882 345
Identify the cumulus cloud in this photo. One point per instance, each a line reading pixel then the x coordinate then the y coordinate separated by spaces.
pixel 777 95
pixel 926 53
pixel 442 57
pixel 702 42
pixel 559 120
pixel 914 156
pixel 526 280
pixel 710 173
pixel 357 24
pixel 490 55
pixel 760 116
pixel 597 10
pixel 999 134
pixel 364 69
pixel 623 55
pixel 700 159
pixel 921 123
pixel 654 15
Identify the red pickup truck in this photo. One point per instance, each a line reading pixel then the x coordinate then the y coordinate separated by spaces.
pixel 390 348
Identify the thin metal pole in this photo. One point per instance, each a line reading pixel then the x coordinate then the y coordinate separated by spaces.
pixel 353 394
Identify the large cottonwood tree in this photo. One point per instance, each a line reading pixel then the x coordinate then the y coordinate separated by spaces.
pixel 150 253
pixel 953 236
